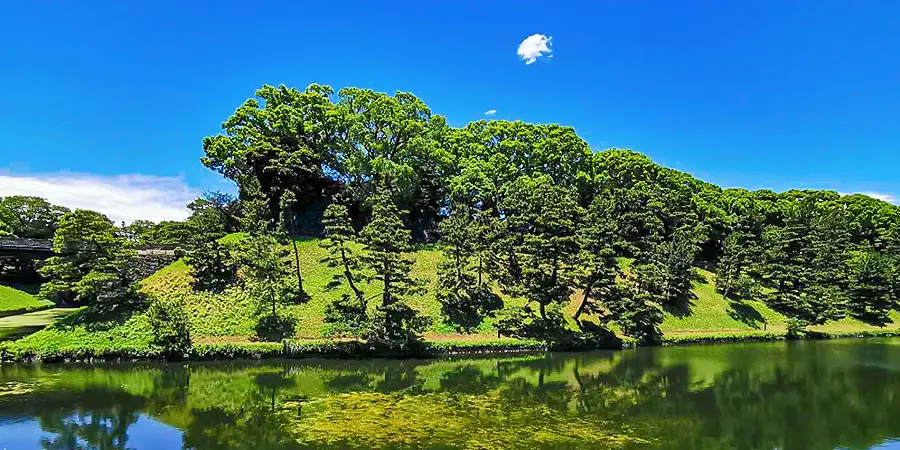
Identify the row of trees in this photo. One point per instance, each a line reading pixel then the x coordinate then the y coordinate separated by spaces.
pixel 529 212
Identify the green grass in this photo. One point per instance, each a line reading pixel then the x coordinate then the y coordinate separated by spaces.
pixel 24 324
pixel 708 311
pixel 227 319
pixel 14 301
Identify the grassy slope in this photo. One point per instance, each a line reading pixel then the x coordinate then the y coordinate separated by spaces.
pixel 13 301
pixel 229 317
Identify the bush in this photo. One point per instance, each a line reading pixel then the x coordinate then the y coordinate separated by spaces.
pixel 795 328
pixel 275 327
pixel 171 331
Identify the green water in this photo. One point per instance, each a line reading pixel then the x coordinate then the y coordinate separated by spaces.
pixel 798 395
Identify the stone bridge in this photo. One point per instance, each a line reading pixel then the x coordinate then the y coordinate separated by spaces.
pixel 148 259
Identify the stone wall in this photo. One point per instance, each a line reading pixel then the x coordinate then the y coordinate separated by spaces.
pixel 149 261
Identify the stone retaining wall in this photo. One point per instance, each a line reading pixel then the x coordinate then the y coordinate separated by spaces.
pixel 149 261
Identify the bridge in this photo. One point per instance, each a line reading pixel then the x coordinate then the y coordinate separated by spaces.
pixel 11 247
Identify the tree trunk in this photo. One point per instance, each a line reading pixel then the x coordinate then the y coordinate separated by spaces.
pixel 387 298
pixel 297 260
pixel 543 310
pixel 358 293
pixel 584 300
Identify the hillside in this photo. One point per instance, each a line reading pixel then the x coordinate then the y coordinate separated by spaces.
pixel 14 301
pixel 229 317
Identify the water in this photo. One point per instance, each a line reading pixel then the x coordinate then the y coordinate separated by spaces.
pixel 797 395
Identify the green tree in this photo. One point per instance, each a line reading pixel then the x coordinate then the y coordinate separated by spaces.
pixel 669 269
pixel 170 327
pixel 268 280
pixel 871 292
pixel 288 200
pixel 345 316
pixel 596 266
pixel 213 267
pixel 386 241
pixel 281 140
pixel 539 243
pixel 30 217
pixel 91 263
pixel 394 142
pixel 214 214
pixel 466 299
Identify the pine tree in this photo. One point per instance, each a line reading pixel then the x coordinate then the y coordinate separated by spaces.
pixel 596 265
pixel 870 286
pixel 344 316
pixel 539 243
pixel 386 241
pixel 465 298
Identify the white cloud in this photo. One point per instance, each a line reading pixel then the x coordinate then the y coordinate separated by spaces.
pixel 533 47
pixel 890 198
pixel 490 112
pixel 121 198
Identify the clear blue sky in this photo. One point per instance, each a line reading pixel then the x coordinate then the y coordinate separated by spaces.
pixel 756 94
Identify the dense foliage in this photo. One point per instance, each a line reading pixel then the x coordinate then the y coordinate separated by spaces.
pixel 91 263
pixel 532 212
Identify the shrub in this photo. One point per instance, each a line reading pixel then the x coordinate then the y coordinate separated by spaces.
pixel 795 327
pixel 171 331
pixel 275 327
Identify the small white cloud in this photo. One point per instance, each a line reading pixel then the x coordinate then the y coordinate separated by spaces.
pixel 890 198
pixel 490 112
pixel 533 47
pixel 122 198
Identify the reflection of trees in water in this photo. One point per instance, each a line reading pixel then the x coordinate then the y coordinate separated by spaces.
pixel 100 421
pixel 820 395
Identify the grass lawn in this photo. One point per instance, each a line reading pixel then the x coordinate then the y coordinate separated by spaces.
pixel 24 324
pixel 14 301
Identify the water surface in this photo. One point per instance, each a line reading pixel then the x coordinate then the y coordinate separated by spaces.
pixel 796 395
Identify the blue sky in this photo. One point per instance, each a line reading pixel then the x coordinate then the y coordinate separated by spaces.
pixel 111 99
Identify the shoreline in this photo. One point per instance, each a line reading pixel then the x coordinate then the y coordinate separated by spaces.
pixel 324 349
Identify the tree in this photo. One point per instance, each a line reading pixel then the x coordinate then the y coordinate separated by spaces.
pixel 282 140
pixel 596 266
pixel 345 316
pixel 288 200
pixel 212 266
pixel 636 311
pixel 805 260
pixel 91 263
pixel 465 297
pixel 871 293
pixel 30 217
pixel 539 244
pixel 393 147
pixel 669 269
pixel 386 241
pixel 214 213
pixel 269 282
pixel 171 330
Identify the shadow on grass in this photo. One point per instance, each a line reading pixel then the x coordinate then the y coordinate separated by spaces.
pixel 874 319
pixel 745 314
pixel 683 307
pixel 95 320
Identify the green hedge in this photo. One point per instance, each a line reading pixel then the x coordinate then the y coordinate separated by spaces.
pixel 852 334
pixel 718 338
pixel 248 350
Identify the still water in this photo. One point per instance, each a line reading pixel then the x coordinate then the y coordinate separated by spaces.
pixel 795 395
